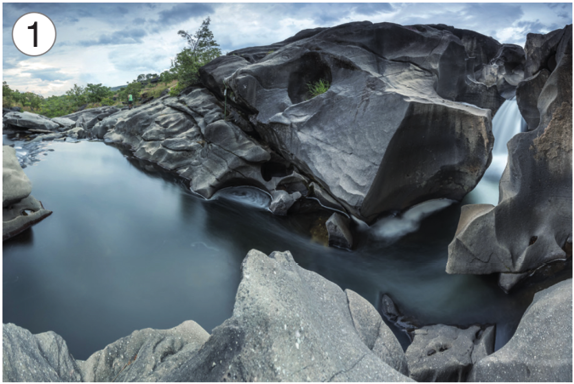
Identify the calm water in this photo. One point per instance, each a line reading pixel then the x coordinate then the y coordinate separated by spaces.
pixel 128 248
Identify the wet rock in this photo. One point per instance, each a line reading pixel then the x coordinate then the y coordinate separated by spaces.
pixel 282 201
pixel 42 357
pixel 77 133
pixel 145 355
pixel 533 220
pixel 19 210
pixel 446 353
pixel 373 71
pixel 340 235
pixel 541 348
pixel 290 324
pixel 27 120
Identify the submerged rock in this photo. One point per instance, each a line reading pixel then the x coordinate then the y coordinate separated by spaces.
pixel 532 224
pixel 392 89
pixel 19 210
pixel 288 324
pixel 339 232
pixel 446 353
pixel 541 348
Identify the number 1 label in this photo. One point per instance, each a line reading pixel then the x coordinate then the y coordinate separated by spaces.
pixel 34 45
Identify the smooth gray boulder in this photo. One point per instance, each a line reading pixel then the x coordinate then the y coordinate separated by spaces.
pixel 28 120
pixel 290 324
pixel 541 348
pixel 15 184
pixel 146 355
pixel 442 353
pixel 64 122
pixel 41 357
pixel 532 223
pixel 391 88
pixel 340 235
pixel 19 210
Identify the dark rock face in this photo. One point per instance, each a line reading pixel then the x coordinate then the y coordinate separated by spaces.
pixel 339 232
pixel 541 348
pixel 391 88
pixel 532 223
pixel 543 52
pixel 288 324
pixel 446 353
pixel 19 210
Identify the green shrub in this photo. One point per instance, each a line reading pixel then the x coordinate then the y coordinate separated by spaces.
pixel 318 88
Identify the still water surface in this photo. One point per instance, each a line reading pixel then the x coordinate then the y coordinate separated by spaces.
pixel 128 247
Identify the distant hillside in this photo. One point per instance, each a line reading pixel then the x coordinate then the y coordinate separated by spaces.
pixel 118 87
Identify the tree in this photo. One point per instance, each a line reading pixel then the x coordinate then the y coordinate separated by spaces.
pixel 141 77
pixel 202 48
pixel 6 95
pixel 77 95
pixel 97 92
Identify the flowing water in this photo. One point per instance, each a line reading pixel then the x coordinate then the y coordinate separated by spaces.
pixel 129 247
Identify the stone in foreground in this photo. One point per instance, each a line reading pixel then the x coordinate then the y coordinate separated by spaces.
pixel 541 348
pixel 446 353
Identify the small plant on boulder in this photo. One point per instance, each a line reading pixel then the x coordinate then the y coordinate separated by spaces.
pixel 319 87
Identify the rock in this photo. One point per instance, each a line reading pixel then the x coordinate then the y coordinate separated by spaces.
pixel 27 120
pixel 541 348
pixel 77 133
pixel 41 357
pixel 214 73
pixel 19 210
pixel 145 355
pixel 339 233
pixel 189 135
pixel 290 324
pixel 282 201
pixel 446 353
pixel 527 94
pixel 164 92
pixel 48 136
pixel 64 122
pixel 15 184
pixel 387 92
pixel 18 217
pixel 532 223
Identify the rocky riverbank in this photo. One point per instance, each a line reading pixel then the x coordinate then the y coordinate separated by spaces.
pixel 406 118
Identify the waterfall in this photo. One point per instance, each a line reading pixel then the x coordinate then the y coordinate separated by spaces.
pixel 506 123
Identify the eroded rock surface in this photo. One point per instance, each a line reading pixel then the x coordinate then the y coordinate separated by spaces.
pixel 446 353
pixel 541 348
pixel 28 120
pixel 532 224
pixel 19 210
pixel 391 88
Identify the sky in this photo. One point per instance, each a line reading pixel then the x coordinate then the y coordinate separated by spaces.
pixel 112 43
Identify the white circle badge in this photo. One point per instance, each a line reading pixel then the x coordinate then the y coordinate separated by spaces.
pixel 34 34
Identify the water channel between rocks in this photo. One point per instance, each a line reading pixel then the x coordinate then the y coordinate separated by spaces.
pixel 128 247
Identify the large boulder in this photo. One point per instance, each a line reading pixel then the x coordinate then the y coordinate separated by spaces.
pixel 392 89
pixel 541 348
pixel 288 324
pixel 27 121
pixel 532 224
pixel 19 210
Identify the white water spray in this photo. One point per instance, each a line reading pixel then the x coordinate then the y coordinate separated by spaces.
pixel 506 123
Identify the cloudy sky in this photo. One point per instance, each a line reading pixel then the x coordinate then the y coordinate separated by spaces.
pixel 111 43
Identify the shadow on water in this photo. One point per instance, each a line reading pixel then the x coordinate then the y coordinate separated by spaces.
pixel 129 247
